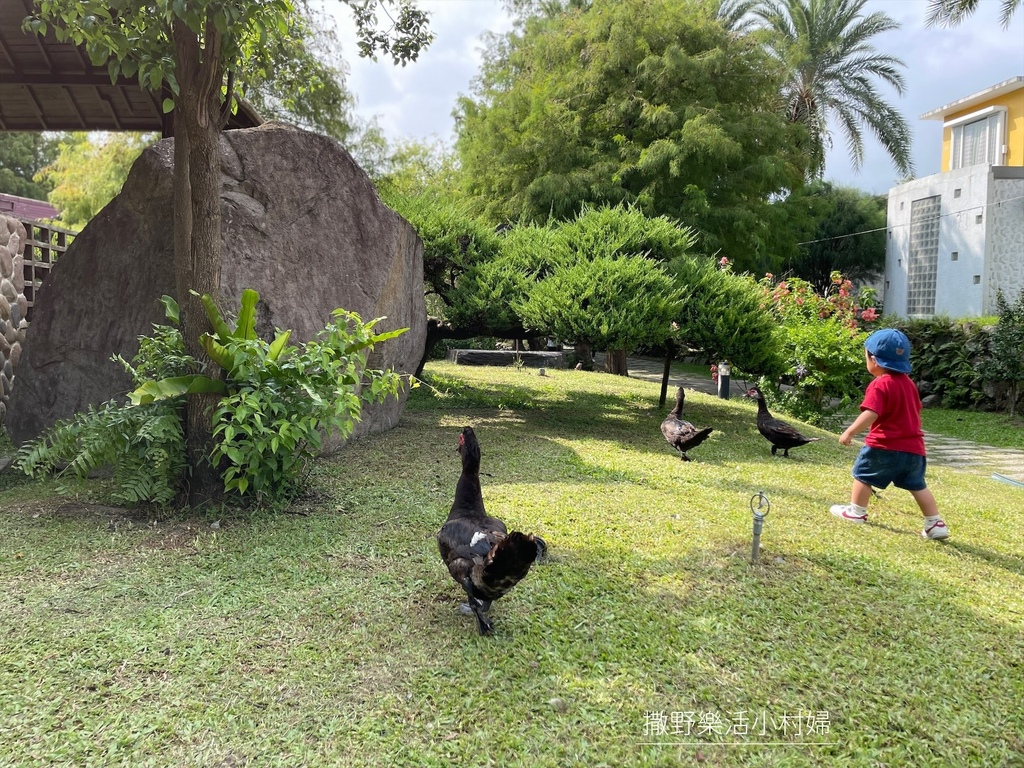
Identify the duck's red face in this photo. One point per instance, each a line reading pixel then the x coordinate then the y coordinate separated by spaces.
pixel 462 443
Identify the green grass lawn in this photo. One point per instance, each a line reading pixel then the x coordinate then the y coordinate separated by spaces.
pixel 996 429
pixel 331 636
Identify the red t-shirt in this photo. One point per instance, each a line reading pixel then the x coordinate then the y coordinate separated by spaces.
pixel 894 397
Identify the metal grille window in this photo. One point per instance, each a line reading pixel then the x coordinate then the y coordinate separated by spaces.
pixel 923 260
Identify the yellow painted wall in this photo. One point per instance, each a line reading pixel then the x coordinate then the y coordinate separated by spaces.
pixel 1014 103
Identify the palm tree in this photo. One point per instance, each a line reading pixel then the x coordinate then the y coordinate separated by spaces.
pixel 949 13
pixel 824 45
pixel 734 14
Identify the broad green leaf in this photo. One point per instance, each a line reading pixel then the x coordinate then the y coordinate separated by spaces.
pixel 388 335
pixel 279 345
pixel 153 391
pixel 171 308
pixel 220 354
pixel 246 326
pixel 216 320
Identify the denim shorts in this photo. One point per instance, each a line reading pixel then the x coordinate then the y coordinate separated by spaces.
pixel 878 467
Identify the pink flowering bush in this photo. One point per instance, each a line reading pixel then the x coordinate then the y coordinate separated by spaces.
pixel 823 345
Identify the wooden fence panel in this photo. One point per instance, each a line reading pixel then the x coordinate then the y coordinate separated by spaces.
pixel 45 243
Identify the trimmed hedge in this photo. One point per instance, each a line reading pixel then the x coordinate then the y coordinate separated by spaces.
pixel 947 356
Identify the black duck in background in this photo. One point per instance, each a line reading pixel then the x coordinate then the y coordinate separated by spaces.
pixel 680 434
pixel 778 433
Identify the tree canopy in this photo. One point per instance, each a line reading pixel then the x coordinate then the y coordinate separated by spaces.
pixel 302 79
pixel 22 156
pixel 89 172
pixel 652 104
pixel 951 13
pixel 848 235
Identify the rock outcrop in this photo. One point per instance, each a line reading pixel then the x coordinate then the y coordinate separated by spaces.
pixel 302 225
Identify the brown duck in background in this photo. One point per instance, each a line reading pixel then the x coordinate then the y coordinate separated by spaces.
pixel 682 435
pixel 778 433
pixel 482 556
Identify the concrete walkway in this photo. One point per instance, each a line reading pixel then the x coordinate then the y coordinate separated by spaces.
pixel 650 369
pixel 964 455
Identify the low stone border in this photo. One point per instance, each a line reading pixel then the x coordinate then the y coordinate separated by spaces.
pixel 506 357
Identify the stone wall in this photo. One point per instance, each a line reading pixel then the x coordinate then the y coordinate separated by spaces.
pixel 13 304
pixel 1005 268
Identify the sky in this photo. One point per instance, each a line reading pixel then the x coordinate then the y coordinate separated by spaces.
pixel 942 66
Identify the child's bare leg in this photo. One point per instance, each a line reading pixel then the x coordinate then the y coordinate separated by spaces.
pixel 926 502
pixel 861 493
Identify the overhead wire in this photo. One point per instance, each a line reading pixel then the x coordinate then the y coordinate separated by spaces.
pixel 910 223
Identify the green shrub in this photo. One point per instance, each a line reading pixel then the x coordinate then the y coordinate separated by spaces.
pixel 822 348
pixel 271 423
pixel 726 317
pixel 944 354
pixel 1007 348
pixel 277 402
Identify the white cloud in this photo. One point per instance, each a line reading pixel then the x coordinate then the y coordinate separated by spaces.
pixel 416 101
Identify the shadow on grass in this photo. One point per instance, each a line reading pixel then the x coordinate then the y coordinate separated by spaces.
pixel 999 560
pixel 601 415
pixel 710 633
pixel 13 478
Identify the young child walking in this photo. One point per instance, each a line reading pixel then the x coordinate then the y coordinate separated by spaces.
pixel 893 451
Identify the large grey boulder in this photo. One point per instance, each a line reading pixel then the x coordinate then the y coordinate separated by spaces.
pixel 302 224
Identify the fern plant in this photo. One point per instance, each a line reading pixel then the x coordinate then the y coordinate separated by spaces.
pixel 144 445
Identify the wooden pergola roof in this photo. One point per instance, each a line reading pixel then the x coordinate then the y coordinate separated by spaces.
pixel 46 85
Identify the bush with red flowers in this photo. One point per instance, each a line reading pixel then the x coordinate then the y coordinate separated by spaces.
pixel 823 346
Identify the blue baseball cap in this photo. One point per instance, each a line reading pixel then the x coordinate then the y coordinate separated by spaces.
pixel 891 349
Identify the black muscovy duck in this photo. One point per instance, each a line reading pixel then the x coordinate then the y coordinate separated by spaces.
pixel 482 556
pixel 778 433
pixel 682 435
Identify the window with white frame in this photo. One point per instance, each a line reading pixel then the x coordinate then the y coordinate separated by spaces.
pixel 977 138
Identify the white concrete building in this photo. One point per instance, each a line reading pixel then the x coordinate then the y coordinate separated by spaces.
pixel 957 237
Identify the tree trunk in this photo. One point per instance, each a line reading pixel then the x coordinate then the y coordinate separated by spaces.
pixel 615 362
pixel 584 354
pixel 670 354
pixel 197 230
